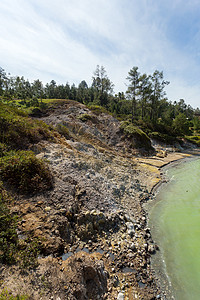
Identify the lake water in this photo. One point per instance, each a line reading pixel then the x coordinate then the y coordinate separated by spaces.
pixel 175 224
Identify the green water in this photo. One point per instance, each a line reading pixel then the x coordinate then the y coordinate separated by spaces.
pixel 175 224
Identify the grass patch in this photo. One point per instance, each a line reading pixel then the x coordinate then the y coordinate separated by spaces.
pixel 85 117
pixel 63 130
pixel 5 295
pixel 97 109
pixel 17 130
pixel 25 172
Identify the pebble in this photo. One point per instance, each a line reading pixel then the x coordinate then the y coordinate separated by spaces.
pixel 120 296
pixel 132 246
pixel 47 209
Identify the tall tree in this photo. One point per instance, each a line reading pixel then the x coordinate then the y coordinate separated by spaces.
pixel 82 92
pixel 3 79
pixel 102 85
pixel 145 90
pixel 158 84
pixel 50 89
pixel 133 77
pixel 38 89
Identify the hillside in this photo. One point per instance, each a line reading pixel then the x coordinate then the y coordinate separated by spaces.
pixel 79 228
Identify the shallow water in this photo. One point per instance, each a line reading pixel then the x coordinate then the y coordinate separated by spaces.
pixel 175 224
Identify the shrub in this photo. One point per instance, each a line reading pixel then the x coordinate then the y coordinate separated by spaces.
pixel 3 149
pixel 5 295
pixel 63 130
pixel 22 170
pixel 141 140
pixel 18 130
pixel 194 139
pixel 28 253
pixel 162 137
pixel 8 235
pixel 85 117
pixel 97 109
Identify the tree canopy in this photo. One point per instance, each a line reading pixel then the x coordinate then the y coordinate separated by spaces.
pixel 144 103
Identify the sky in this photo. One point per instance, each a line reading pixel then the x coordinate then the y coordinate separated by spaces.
pixel 65 41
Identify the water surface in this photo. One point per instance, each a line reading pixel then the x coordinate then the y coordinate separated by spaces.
pixel 175 225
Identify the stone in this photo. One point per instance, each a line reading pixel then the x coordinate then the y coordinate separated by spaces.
pixel 151 249
pixel 47 208
pixel 133 247
pixel 130 228
pixel 120 296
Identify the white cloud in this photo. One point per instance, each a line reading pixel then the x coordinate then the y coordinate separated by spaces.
pixel 65 40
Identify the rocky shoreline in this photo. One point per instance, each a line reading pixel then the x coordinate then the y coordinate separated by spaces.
pixel 92 227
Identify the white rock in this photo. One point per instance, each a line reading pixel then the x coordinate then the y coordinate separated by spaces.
pixel 120 296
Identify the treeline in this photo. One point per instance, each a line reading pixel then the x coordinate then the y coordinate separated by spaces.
pixel 144 102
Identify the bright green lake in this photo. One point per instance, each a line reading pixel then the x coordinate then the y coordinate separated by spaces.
pixel 175 224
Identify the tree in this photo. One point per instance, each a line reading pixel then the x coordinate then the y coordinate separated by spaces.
pixel 50 89
pixel 196 123
pixel 38 89
pixel 102 85
pixel 3 79
pixel 145 90
pixel 133 87
pixel 181 124
pixel 82 92
pixel 158 84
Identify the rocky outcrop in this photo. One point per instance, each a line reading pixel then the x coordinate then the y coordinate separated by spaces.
pixel 91 227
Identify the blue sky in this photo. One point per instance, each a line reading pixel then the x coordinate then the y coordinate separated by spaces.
pixel 65 40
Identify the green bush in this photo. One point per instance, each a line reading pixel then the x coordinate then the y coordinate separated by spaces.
pixel 18 130
pixel 28 253
pixel 11 250
pixel 162 137
pixel 3 149
pixel 141 140
pixel 8 235
pixel 63 130
pixel 85 117
pixel 195 139
pixel 5 295
pixel 97 109
pixel 25 172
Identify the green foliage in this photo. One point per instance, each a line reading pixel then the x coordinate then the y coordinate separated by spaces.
pixel 3 149
pixel 140 137
pixel 18 130
pixel 28 252
pixel 181 124
pixel 196 123
pixel 8 235
pixel 97 109
pixel 162 137
pixel 195 139
pixel 85 117
pixel 25 172
pixel 11 250
pixel 145 100
pixel 5 295
pixel 131 130
pixel 63 130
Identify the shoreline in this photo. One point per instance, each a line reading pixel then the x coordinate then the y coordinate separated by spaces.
pixel 159 271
